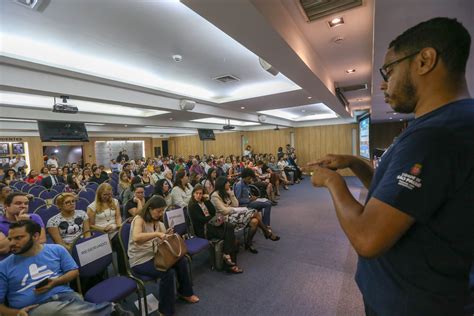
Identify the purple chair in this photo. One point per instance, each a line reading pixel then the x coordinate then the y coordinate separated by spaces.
pixel 194 244
pixel 35 203
pixel 149 190
pixel 18 184
pixel 25 188
pixel 87 194
pixel 36 190
pixel 122 255
pixel 47 212
pixel 82 204
pixel 112 289
pixel 92 186
pixel 47 194
pixel 58 187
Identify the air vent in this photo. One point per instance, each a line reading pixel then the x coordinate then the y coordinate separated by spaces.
pixel 356 87
pixel 226 78
pixel 31 4
pixel 315 9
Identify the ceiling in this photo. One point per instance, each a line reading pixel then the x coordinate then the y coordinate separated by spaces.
pixel 118 55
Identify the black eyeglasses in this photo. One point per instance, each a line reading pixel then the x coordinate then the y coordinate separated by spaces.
pixel 383 70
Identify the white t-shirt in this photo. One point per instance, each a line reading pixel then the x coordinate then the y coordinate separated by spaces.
pixel 69 228
pixel 106 217
pixel 52 162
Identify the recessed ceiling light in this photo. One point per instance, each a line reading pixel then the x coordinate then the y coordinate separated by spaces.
pixel 401 120
pixel 95 124
pixel 336 22
pixel 360 99
pixel 309 98
pixel 16 120
pixel 350 71
pixel 125 125
pixel 242 107
pixel 171 118
pixel 395 113
pixel 389 118
pixel 303 111
pixel 215 120
pixel 177 58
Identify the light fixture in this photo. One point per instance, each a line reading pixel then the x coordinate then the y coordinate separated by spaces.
pixel 390 118
pixel 95 124
pixel 401 120
pixel 171 118
pixel 17 120
pixel 215 120
pixel 269 68
pixel 242 107
pixel 350 71
pixel 309 98
pixel 360 99
pixel 303 111
pixel 177 58
pixel 336 22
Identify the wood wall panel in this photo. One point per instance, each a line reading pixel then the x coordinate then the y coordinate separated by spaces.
pixel 225 144
pixel 383 134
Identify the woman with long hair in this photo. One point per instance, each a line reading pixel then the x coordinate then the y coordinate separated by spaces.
pixel 10 175
pixel 124 182
pixel 86 175
pixel 182 189
pixel 210 181
pixel 69 223
pixel 104 212
pixel 227 204
pixel 201 212
pixel 33 177
pixel 163 189
pixel 72 184
pixel 147 229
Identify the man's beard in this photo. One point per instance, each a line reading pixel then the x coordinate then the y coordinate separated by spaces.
pixel 26 247
pixel 405 97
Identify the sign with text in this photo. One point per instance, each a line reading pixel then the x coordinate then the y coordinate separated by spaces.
pixel 93 249
pixel 175 217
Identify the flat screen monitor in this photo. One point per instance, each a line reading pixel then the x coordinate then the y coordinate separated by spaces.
pixel 206 134
pixel 364 137
pixel 62 131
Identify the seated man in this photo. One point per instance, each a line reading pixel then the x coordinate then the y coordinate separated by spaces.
pixel 52 179
pixel 22 276
pixel 16 208
pixel 242 193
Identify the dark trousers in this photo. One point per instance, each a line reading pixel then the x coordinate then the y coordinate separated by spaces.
pixel 226 233
pixel 265 208
pixel 166 296
pixel 368 310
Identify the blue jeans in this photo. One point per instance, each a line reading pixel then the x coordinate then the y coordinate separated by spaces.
pixel 70 303
pixel 265 208
pixel 166 296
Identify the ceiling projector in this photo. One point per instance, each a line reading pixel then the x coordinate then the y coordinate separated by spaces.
pixel 64 107
pixel 228 127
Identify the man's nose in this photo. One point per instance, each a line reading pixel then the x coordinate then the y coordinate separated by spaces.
pixel 383 86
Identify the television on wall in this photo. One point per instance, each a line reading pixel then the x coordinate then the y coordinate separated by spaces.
pixel 364 136
pixel 62 131
pixel 206 134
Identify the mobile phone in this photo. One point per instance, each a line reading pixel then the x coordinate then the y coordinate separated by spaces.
pixel 42 283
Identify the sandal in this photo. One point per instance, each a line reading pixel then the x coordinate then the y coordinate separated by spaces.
pixel 193 299
pixel 228 260
pixel 235 270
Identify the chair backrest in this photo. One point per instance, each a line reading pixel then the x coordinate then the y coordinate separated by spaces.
pixel 59 187
pixel 149 190
pixel 47 194
pixel 47 212
pixel 25 188
pixel 87 194
pixel 18 184
pixel 36 190
pixel 34 203
pixel 93 266
pixel 82 204
pixel 92 185
pixel 176 219
pixel 124 238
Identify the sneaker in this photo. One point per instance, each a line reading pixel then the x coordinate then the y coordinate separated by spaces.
pixel 119 311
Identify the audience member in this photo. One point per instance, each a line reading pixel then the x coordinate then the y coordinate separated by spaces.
pixel 31 263
pixel 181 192
pixel 33 177
pixel 104 213
pixel 52 179
pixel 97 176
pixel 69 223
pixel 201 212
pixel 10 176
pixel 147 230
pixel 123 184
pixel 162 188
pixel 16 209
pixel 72 184
pixel 4 192
pixel 135 205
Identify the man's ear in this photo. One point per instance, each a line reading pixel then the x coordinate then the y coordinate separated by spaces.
pixel 426 60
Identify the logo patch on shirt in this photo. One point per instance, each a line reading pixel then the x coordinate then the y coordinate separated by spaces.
pixel 416 169
pixel 408 180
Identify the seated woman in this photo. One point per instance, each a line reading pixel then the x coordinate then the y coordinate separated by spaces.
pixel 225 202
pixel 210 181
pixel 10 175
pixel 145 232
pixel 86 175
pixel 104 212
pixel 201 211
pixel 135 205
pixel 124 183
pixel 162 188
pixel 181 193
pixel 276 169
pixel 144 175
pixel 70 223
pixel 33 177
pixel 72 184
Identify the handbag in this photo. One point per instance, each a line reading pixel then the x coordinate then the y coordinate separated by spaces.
pixel 169 251
pixel 217 220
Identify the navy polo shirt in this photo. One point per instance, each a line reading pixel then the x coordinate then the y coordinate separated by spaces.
pixel 428 173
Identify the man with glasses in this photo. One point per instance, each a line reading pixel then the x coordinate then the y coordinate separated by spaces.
pixel 415 232
pixel 16 209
